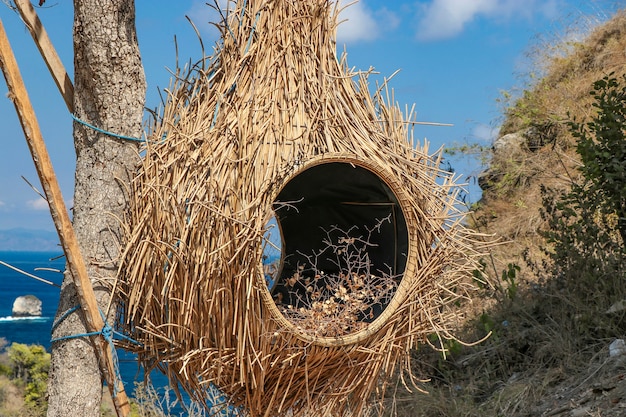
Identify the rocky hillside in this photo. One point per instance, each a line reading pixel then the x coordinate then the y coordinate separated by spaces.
pixel 554 316
pixel 535 148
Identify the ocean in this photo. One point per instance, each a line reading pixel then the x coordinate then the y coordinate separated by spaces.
pixel 13 284
pixel 38 330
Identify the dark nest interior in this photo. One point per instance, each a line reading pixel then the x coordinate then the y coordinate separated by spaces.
pixel 344 238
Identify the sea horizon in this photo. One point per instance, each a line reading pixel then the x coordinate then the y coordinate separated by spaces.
pixel 38 330
pixel 20 239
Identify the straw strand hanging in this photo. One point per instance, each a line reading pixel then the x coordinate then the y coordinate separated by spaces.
pixel 274 107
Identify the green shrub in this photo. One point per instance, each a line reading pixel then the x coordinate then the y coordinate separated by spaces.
pixel 30 365
pixel 602 148
pixel 587 225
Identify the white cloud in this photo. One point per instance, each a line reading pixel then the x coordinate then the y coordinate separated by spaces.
pixel 441 19
pixel 485 134
pixel 359 23
pixel 202 13
pixel 38 204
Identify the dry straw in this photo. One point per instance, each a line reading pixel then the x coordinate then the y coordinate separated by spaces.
pixel 272 101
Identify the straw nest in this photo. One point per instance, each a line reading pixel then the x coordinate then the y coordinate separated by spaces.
pixel 271 102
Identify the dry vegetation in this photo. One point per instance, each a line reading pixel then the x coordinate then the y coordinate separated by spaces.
pixel 340 303
pixel 542 152
pixel 550 322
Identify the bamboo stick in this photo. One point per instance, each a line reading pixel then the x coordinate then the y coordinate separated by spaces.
pixel 49 54
pixel 58 211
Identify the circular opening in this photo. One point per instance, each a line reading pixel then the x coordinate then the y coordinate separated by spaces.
pixel 344 246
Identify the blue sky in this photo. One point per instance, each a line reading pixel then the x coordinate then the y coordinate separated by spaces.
pixel 454 57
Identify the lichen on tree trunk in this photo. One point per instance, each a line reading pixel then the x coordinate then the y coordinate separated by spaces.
pixel 110 94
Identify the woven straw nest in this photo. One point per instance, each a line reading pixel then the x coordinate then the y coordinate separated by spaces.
pixel 269 115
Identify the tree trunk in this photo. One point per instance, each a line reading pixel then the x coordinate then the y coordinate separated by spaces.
pixel 109 93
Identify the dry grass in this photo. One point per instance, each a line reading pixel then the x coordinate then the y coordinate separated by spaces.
pixel 543 350
pixel 11 399
pixel 549 341
pixel 272 101
pixel 547 156
pixel 335 304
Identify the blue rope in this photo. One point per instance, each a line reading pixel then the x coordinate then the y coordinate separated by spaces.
pixel 97 129
pixel 107 333
pixel 243 10
pixel 215 113
pixel 63 316
pixel 256 20
pixel 76 336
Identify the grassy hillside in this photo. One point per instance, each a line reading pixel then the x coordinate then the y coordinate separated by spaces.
pixel 557 302
pixel 535 147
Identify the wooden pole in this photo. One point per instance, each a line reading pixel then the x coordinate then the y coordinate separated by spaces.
pixel 60 216
pixel 49 54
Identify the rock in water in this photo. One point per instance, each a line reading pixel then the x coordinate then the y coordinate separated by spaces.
pixel 27 306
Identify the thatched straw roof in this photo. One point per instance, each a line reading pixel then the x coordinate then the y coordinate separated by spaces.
pixel 272 102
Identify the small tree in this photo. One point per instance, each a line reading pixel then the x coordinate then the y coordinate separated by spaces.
pixel 30 366
pixel 602 148
pixel 587 225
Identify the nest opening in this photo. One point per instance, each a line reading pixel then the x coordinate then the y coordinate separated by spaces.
pixel 343 248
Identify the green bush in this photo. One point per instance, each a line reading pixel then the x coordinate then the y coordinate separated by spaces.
pixel 587 225
pixel 30 365
pixel 602 148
